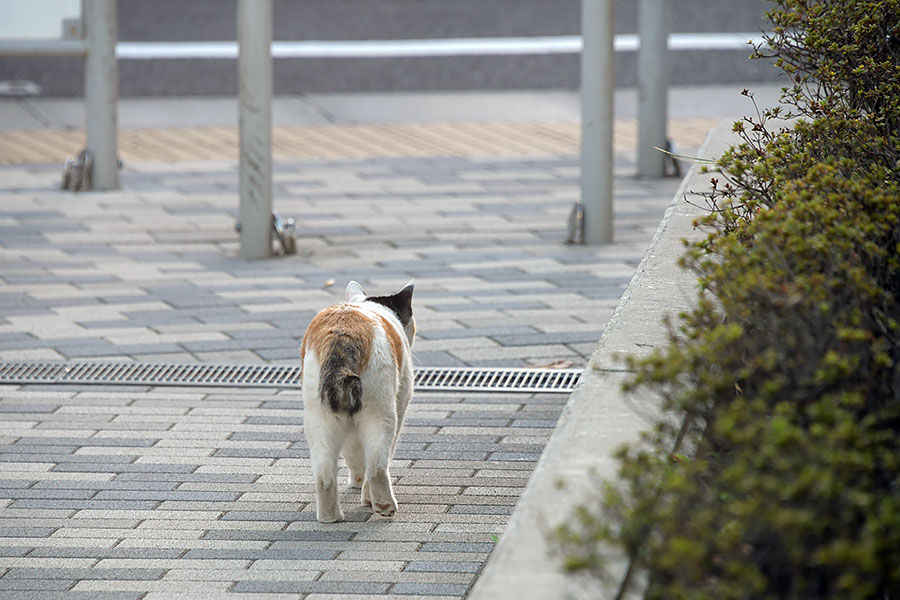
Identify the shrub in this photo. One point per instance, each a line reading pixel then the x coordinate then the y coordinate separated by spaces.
pixel 842 55
pixel 776 472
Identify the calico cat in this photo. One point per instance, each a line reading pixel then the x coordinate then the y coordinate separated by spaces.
pixel 357 383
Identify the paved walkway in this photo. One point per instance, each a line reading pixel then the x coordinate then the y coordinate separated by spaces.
pixel 159 493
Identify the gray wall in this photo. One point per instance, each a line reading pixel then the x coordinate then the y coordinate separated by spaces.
pixel 214 20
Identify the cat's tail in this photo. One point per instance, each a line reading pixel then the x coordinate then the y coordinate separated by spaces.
pixel 340 386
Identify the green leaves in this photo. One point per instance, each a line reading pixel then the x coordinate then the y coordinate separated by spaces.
pixel 775 472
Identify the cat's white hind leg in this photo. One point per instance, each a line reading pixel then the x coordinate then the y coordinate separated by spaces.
pixel 355 457
pixel 324 447
pixel 366 496
pixel 324 465
pixel 377 437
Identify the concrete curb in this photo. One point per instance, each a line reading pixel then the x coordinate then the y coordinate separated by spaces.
pixel 598 417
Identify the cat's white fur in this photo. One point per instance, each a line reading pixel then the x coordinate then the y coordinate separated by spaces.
pixel 367 438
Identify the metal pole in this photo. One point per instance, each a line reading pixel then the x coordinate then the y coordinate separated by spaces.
pixel 653 86
pixel 101 92
pixel 597 85
pixel 254 26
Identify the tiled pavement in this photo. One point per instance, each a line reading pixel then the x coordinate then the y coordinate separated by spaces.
pixel 340 141
pixel 158 493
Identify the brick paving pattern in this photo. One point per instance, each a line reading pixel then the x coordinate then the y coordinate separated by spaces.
pixel 339 141
pixel 115 492
pixel 197 492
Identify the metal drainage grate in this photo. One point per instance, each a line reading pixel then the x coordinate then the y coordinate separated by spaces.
pixel 428 379
pixel 496 380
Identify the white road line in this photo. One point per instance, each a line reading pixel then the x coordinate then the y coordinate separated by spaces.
pixel 564 44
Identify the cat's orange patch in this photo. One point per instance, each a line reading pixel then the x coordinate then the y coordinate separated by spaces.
pixel 345 321
pixel 393 339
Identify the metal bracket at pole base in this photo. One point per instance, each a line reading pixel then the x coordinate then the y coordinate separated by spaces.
pixel 282 234
pixel 576 224
pixel 78 172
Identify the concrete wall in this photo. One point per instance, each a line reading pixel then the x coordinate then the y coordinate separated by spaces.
pixel 214 20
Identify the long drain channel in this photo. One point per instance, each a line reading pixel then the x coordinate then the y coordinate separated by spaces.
pixel 427 379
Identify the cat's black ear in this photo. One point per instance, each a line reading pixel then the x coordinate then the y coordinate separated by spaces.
pixel 400 303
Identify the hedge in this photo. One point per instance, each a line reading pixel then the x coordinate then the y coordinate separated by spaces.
pixel 775 471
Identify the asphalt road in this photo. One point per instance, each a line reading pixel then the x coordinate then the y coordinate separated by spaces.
pixel 214 20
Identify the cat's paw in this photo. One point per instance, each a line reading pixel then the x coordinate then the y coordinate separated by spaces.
pixel 386 510
pixel 330 516
pixel 331 519
pixel 355 481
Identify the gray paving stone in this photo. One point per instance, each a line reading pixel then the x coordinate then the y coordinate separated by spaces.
pixel 160 496
pixel 10 407
pixel 442 455
pixel 86 504
pixel 473 509
pixel 442 566
pixel 562 337
pixel 65 458
pixel 306 587
pixel 26 532
pixel 14 483
pixel 259 554
pixel 125 468
pixel 72 595
pixel 540 423
pixel 83 552
pixel 185 476
pixel 437 359
pixel 273 536
pixel 57 585
pixel 429 589
pixel 88 441
pixel 267 436
pixel 11 449
pixel 454 421
pixel 287 352
pixel 476 332
pixel 259 515
pixel 290 421
pixel 50 485
pixel 262 453
pixel 83 574
pixel 475 547
pixel 515 456
pixel 48 494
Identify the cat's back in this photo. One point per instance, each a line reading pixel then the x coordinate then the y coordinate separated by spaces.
pixel 366 330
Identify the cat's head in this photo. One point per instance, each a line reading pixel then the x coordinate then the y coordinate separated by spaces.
pixel 400 303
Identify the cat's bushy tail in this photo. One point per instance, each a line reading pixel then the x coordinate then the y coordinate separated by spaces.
pixel 340 386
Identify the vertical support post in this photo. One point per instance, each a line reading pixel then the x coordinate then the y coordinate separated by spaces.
pixel 597 87
pixel 653 86
pixel 254 26
pixel 101 92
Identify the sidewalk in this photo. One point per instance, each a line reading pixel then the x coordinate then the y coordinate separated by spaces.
pixel 600 417
pixel 152 493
